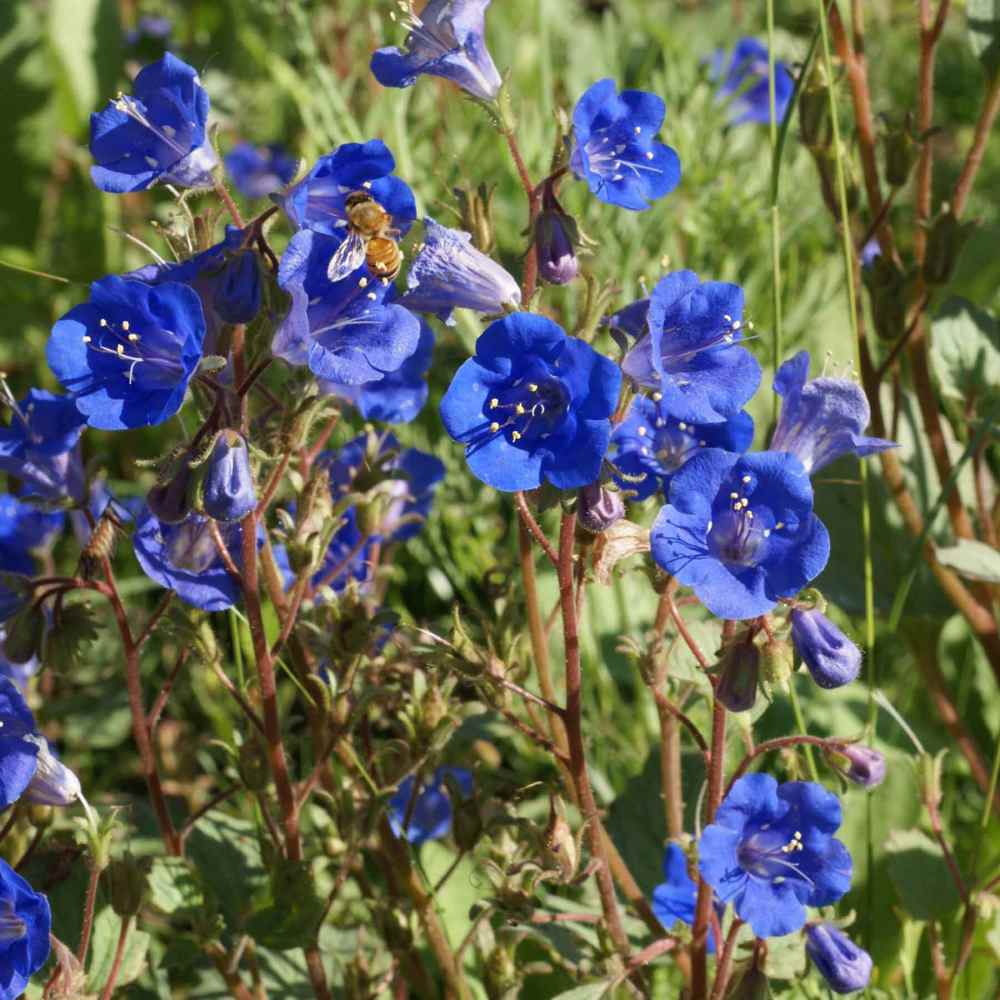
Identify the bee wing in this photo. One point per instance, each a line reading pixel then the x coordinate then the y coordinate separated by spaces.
pixel 349 256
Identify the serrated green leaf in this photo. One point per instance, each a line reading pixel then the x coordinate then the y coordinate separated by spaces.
pixel 965 352
pixel 971 559
pixel 984 32
pixel 921 877
pixel 174 886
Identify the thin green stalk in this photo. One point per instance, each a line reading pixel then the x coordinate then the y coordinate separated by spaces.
pixel 800 722
pixel 775 213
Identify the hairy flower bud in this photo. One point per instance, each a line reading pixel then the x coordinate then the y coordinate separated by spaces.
pixel 844 965
pixel 776 661
pixel 814 109
pixel 859 764
pixel 886 286
pixel 740 669
pixel 555 239
pixel 832 659
pixel 128 882
pixel 599 507
pixel 945 241
pixel 227 490
pixel 252 765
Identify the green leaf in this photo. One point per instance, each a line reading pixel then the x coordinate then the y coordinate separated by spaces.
pixel 918 871
pixel 589 991
pixel 965 352
pixel 174 886
pixel 984 32
pixel 107 926
pixel 973 560
pixel 786 957
pixel 289 913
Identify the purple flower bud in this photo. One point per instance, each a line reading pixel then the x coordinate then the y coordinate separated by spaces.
pixel 737 688
pixel 832 659
pixel 53 783
pixel 860 764
pixel 844 965
pixel 228 490
pixel 169 500
pixel 555 246
pixel 599 508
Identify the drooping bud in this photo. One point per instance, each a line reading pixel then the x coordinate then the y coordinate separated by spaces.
pixel 886 286
pixel 832 659
pixel 900 150
pixel 945 241
pixel 599 507
pixel 169 499
pixel 128 883
pixel 228 492
pixel 53 783
pixel 844 965
pixel 739 673
pixel 859 764
pixel 556 238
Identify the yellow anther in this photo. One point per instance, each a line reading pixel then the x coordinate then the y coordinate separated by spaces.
pixel 86 339
pixel 494 427
pixel 519 409
pixel 747 479
pixel 515 436
pixel 649 155
pixel 363 282
pixel 104 322
pixel 657 396
pixel 494 403
pixel 125 325
pixel 642 432
pixel 532 387
pixel 133 337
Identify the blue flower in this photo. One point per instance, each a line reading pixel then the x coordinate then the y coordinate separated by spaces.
pixel 40 445
pixel 25 922
pixel 158 28
pixel 183 557
pixel 345 331
pixel 691 352
pixel 532 405
pixel 127 355
pixel 844 965
pixel 822 418
pixel 770 851
pixel 446 40
pixel 740 531
pixel 400 395
pixel 158 134
pixel 450 273
pixel 616 152
pixel 24 527
pixel 676 897
pixel 870 252
pixel 257 171
pixel 653 442
pixel 832 659
pixel 430 816
pixel 228 492
pixel 745 80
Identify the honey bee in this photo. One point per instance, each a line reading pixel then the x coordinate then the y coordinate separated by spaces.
pixel 370 239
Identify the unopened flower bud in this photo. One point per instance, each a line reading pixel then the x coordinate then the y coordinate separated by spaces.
pixel 555 246
pixel 467 822
pixel 227 490
pixel 814 108
pixel 859 764
pixel 886 286
pixel 900 151
pixel 53 783
pixel 945 241
pixel 558 844
pixel 832 659
pixel 776 661
pixel 252 765
pixel 128 883
pixel 740 670
pixel 599 508
pixel 169 499
pixel 844 965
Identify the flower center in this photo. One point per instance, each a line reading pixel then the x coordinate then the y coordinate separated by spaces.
pixel 671 443
pixel 160 351
pixel 612 151
pixel 737 533
pixel 771 854
pixel 166 134
pixel 676 362
pixel 191 546
pixel 527 410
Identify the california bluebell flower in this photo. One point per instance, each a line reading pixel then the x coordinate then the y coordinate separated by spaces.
pixel 615 149
pixel 745 80
pixel 653 443
pixel 861 765
pixel 845 966
pixel 556 239
pixel 157 134
pixel 446 39
pixel 740 531
pixel 127 355
pixel 869 252
pixel 40 445
pixel 25 922
pixel 450 273
pixel 676 897
pixel 258 171
pixel 346 331
pixel 533 405
pixel 228 492
pixel 400 395
pixel 832 659
pixel 184 558
pixel 431 814
pixel 821 418
pixel 770 851
pixel 691 350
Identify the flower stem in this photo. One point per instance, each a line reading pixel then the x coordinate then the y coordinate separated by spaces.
pixel 89 905
pixel 116 964
pixel 724 968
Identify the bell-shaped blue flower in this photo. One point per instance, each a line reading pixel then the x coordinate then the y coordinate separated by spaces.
pixel 821 418
pixel 127 355
pixel 691 352
pixel 615 149
pixel 228 492
pixel 676 897
pixel 18 752
pixel 400 395
pixel 345 331
pixel 652 442
pixel 832 659
pixel 430 816
pixel 770 851
pixel 745 80
pixel 258 171
pixel 844 965
pixel 740 531
pixel 157 134
pixel 446 39
pixel 533 405
pixel 25 923
pixel 450 273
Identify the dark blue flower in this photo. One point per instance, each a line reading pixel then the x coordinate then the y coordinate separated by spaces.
pixel 228 492
pixel 740 531
pixel 400 395
pixel 345 331
pixel 653 442
pixel 25 922
pixel 745 80
pixel 127 355
pixel 532 405
pixel 445 39
pixel 691 351
pixel 832 659
pixel 157 134
pixel 450 273
pixel 24 527
pixel 770 851
pixel 257 171
pixel 40 445
pixel 869 252
pixel 821 418
pixel 183 557
pixel 157 28
pixel 430 816
pixel 676 897
pixel 616 151
pixel 845 966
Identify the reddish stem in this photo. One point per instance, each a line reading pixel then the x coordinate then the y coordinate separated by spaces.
pixel 116 964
